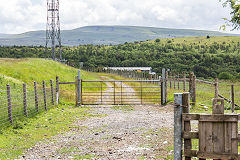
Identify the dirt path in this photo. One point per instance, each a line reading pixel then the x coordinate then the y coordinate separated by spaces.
pixel 124 132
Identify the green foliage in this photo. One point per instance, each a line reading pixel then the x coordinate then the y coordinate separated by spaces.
pixel 235 14
pixel 224 75
pixel 157 40
pixel 206 57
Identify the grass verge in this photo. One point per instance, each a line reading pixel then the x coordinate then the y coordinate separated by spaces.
pixel 16 139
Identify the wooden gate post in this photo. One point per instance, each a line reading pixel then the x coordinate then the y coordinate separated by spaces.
pixel 36 96
pixel 76 91
pixel 186 125
pixel 9 104
pixel 57 90
pixel 164 86
pixel 178 97
pixel 25 99
pixel 79 88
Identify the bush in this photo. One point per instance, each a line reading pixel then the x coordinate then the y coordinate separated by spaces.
pixel 157 40
pixel 225 75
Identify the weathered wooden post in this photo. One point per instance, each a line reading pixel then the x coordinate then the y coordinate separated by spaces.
pixel 216 88
pixel 25 99
pixel 178 102
pixel 194 91
pixel 52 96
pixel 170 79
pixel 192 87
pixel 79 88
pixel 164 86
pixel 184 81
pixel 178 81
pixel 76 91
pixel 9 104
pixel 36 96
pixel 57 90
pixel 174 81
pixel 232 95
pixel 44 95
pixel 186 125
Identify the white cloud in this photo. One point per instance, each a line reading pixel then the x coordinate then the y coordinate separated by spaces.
pixel 24 15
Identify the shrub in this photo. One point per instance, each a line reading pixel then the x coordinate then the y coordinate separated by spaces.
pixel 157 40
pixel 224 75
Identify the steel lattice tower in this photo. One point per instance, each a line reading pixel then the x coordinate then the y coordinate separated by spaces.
pixel 53 33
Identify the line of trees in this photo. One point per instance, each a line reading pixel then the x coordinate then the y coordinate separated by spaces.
pixel 206 60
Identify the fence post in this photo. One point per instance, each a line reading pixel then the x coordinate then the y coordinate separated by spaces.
pixel 184 81
pixel 233 103
pixel 170 79
pixel 44 95
pixel 216 88
pixel 25 99
pixel 174 81
pixel 36 96
pixel 79 88
pixel 178 97
pixel 161 83
pixel 9 104
pixel 57 90
pixel 186 124
pixel 52 97
pixel 76 91
pixel 164 85
pixel 194 90
pixel 178 81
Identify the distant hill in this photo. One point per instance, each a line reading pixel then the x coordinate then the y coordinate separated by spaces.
pixel 105 35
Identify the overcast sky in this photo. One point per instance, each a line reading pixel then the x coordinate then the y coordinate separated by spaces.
pixel 17 16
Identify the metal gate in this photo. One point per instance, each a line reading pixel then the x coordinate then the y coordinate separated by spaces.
pixel 120 92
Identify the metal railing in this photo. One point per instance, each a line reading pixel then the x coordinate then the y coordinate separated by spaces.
pixel 121 92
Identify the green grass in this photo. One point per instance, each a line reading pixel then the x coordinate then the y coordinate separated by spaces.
pixel 13 142
pixel 123 108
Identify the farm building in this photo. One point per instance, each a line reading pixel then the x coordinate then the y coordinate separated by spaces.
pixel 137 69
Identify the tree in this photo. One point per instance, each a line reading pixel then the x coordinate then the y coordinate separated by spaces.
pixel 235 14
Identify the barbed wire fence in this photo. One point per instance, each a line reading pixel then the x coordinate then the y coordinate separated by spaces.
pixel 25 100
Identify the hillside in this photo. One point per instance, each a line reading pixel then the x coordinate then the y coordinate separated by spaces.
pixel 29 70
pixel 105 35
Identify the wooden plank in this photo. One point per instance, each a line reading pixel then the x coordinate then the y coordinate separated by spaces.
pixel 218 137
pixel 228 137
pixel 25 99
pixel 190 116
pixel 210 155
pixel 234 138
pixel 208 137
pixel 190 135
pixel 218 118
pixel 202 134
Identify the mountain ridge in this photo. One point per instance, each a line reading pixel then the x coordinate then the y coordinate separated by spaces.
pixel 105 35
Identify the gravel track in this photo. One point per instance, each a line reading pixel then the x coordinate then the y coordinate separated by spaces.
pixel 125 132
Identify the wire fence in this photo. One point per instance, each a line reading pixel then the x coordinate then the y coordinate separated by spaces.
pixel 26 100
